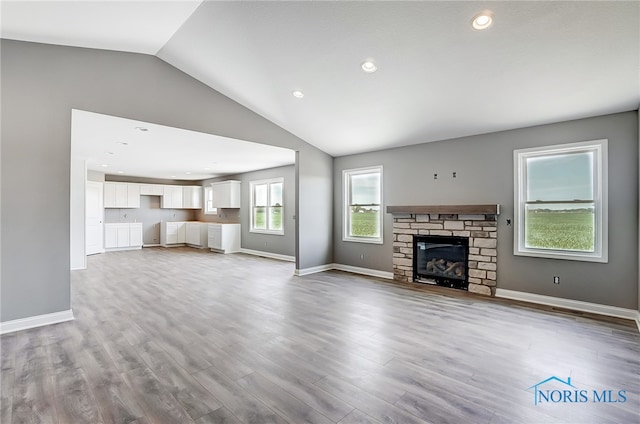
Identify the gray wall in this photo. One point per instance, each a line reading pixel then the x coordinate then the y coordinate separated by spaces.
pixel 41 84
pixel 282 245
pixel 484 167
pixel 314 210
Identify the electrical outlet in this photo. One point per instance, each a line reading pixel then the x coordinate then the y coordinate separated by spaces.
pixel 556 280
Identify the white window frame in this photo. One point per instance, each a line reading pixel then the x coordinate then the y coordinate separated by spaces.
pixel 205 205
pixel 346 206
pixel 599 148
pixel 252 185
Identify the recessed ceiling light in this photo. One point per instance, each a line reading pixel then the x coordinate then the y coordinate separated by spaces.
pixel 369 67
pixel 298 94
pixel 104 165
pixel 120 172
pixel 142 129
pixel 207 168
pixel 173 176
pixel 188 173
pixel 482 20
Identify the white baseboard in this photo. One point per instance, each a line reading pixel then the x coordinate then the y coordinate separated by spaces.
pixel 638 320
pixel 347 268
pixel 120 249
pixel 268 255
pixel 364 271
pixel 35 321
pixel 576 305
pixel 313 270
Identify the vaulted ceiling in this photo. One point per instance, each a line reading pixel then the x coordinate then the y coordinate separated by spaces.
pixel 437 78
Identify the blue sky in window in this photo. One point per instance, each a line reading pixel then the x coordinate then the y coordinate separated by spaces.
pixel 365 188
pixel 560 177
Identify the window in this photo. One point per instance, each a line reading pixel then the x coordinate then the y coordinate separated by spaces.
pixel 561 201
pixel 267 210
pixel 362 205
pixel 208 202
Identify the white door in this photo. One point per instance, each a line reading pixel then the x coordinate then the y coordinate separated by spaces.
pixel 94 212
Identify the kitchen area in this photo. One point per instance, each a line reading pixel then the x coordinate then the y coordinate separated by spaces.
pixel 138 184
pixel 140 215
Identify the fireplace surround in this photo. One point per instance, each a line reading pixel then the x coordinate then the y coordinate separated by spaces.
pixel 478 223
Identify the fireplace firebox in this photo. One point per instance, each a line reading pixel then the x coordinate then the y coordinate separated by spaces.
pixel 441 260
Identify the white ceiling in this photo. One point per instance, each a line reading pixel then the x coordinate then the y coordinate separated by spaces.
pixel 165 152
pixel 541 61
pixel 133 26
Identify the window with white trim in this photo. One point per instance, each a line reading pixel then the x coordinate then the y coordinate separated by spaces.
pixel 561 201
pixel 267 208
pixel 208 202
pixel 362 205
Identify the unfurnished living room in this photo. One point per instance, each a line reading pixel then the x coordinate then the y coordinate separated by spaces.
pixel 319 212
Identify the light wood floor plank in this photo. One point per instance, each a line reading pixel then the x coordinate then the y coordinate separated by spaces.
pixel 192 396
pixel 241 404
pixel 157 402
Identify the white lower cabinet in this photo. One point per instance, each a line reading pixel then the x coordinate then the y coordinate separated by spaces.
pixel 135 234
pixel 196 234
pixel 173 233
pixel 177 233
pixel 123 236
pixel 224 238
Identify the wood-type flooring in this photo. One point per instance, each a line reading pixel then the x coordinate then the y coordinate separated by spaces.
pixel 188 336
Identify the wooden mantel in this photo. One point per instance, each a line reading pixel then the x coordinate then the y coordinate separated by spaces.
pixel 446 209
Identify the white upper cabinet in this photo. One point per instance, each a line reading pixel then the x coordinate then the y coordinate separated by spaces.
pixel 133 195
pixel 121 195
pixel 152 189
pixel 109 195
pixel 192 197
pixel 226 194
pixel 127 195
pixel 172 197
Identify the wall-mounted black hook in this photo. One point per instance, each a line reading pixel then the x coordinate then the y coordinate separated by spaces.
pixel 435 176
pixel 454 174
pixel 508 222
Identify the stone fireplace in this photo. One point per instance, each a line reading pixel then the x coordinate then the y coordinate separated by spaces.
pixel 476 222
